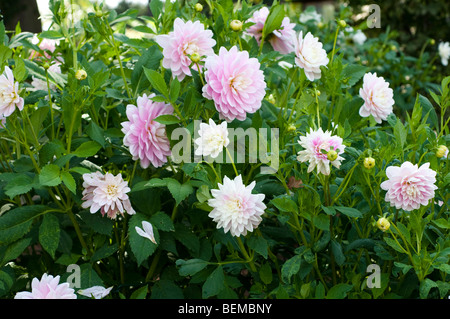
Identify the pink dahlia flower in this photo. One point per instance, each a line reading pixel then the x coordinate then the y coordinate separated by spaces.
pixel 235 208
pixel 409 186
pixel 377 96
pixel 145 137
pixel 317 145
pixel 186 39
pixel 47 288
pixel 9 93
pixel 282 40
pixel 107 193
pixel 310 55
pixel 235 83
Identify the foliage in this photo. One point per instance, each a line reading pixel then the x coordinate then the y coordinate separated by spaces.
pixel 316 239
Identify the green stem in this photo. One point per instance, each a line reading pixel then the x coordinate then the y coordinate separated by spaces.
pixel 232 162
pixel 51 104
pixel 245 253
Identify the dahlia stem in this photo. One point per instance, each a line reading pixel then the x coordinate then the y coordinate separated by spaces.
pixel 246 255
pixel 232 162
pixel 334 44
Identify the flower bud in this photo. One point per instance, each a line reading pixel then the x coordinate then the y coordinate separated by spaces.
pixel 271 99
pixel 236 25
pixel 369 162
pixel 332 155
pixel 383 224
pixel 46 66
pixel 342 23
pixel 317 92
pixel 198 7
pixel 291 128
pixel 320 25
pixel 432 41
pixel 441 151
pixel 81 74
pixel 195 57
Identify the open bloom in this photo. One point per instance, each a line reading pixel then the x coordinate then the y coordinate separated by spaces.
pixel 47 288
pixel 9 93
pixel 186 39
pixel 213 138
pixel 146 138
pixel 444 52
pixel 235 208
pixel 146 231
pixel 281 39
pixel 378 97
pixel 235 83
pixel 107 193
pixel 359 37
pixel 97 292
pixel 409 186
pixel 310 55
pixel 317 145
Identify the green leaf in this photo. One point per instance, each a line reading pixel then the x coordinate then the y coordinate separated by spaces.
pixel 339 291
pixel 290 268
pixel 87 149
pixel 14 250
pixel 51 34
pixel 69 181
pixel 321 221
pixel 337 252
pixel 258 244
pixel 274 20
pixel 167 119
pixel 174 90
pixel 157 81
pixel 166 289
pixel 348 211
pixel 400 134
pixel 49 234
pixel 50 175
pixel 285 204
pixel 429 108
pixel 178 191
pixel 265 273
pixel 22 184
pixel 96 133
pixel 190 267
pixel 214 283
pixel 17 222
pixel 140 293
pixel 104 252
pixel 161 221
pixel 425 287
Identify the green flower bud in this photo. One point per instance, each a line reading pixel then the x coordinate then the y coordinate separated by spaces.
pixel 195 57
pixel 198 7
pixel 332 155
pixel 383 224
pixel 236 25
pixel 441 151
pixel 369 162
pixel 80 74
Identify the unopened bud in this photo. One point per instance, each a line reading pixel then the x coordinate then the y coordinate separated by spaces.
pixel 432 41
pixel 271 99
pixel 342 23
pixel 236 25
pixel 442 151
pixel 383 224
pixel 369 162
pixel 198 7
pixel 332 155
pixel 195 57
pixel 320 25
pixel 81 74
pixel 291 128
pixel 46 66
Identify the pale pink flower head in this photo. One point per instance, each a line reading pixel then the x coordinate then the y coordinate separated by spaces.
pixel 213 138
pixel 378 97
pixel 146 231
pixel 96 292
pixel 107 193
pixel 186 39
pixel 409 186
pixel 235 83
pixel 316 146
pixel 47 288
pixel 39 84
pixel 310 55
pixel 235 208
pixel 9 93
pixel 282 40
pixel 146 138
